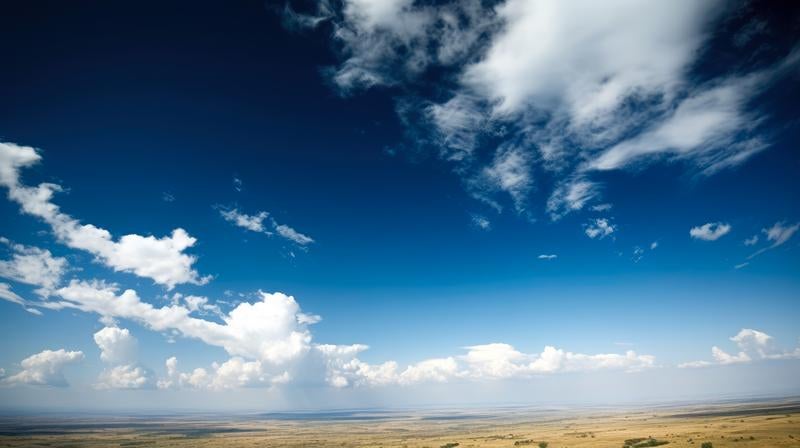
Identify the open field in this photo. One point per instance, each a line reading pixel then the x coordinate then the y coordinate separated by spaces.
pixel 769 424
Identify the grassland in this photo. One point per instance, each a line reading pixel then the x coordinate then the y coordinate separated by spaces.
pixel 741 425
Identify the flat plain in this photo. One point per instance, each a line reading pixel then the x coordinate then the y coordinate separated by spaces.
pixel 733 424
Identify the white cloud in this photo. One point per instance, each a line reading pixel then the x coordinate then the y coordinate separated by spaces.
pixel 234 373
pixel 509 172
pixel 254 223
pixel 704 126
pixel 117 345
pixel 481 222
pixel 572 87
pixel 599 228
pixel 7 294
pixel 742 265
pixel 752 344
pixel 573 196
pixel 44 368
pixel 778 234
pixel 496 361
pixel 33 266
pixel 127 376
pixel 547 256
pixel 269 330
pixel 161 259
pixel 752 241
pixel 293 235
pixel 710 231
pixel 653 245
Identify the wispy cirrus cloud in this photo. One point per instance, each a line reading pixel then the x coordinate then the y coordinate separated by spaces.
pixel 525 97
pixel 256 223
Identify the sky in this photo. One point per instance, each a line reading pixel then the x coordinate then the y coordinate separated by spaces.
pixel 393 203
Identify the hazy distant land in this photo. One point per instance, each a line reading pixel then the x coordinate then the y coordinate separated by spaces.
pixel 739 424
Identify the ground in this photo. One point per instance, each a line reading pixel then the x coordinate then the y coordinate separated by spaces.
pixel 772 424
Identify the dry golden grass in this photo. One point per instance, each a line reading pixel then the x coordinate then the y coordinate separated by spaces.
pixel 738 425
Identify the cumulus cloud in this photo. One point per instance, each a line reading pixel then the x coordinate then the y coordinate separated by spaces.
pixel 599 228
pixel 117 345
pixel 161 259
pixel 496 361
pixel 710 231
pixel 563 89
pixel 752 344
pixel 272 330
pixel 547 256
pixel 126 376
pixel 33 266
pixel 44 368
pixel 118 348
pixel 234 373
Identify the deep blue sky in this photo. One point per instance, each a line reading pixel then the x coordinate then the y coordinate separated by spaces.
pixel 127 102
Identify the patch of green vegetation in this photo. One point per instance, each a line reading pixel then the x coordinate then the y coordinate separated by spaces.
pixel 707 445
pixel 450 445
pixel 523 442
pixel 642 442
pixel 543 444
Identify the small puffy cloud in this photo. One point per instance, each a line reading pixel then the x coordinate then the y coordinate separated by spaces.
pixel 752 344
pixel 752 241
pixel 653 245
pixel 293 235
pixel 254 223
pixel 238 185
pixel 161 259
pixel 481 222
pixel 117 345
pixel 710 231
pixel 547 256
pixel 602 207
pixel 44 368
pixel 599 228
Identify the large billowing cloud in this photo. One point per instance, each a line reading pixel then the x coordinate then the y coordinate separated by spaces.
pixel 526 95
pixel 273 329
pixel 161 259
pixel 44 368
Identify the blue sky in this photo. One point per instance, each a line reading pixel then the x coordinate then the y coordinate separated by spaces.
pixel 458 203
